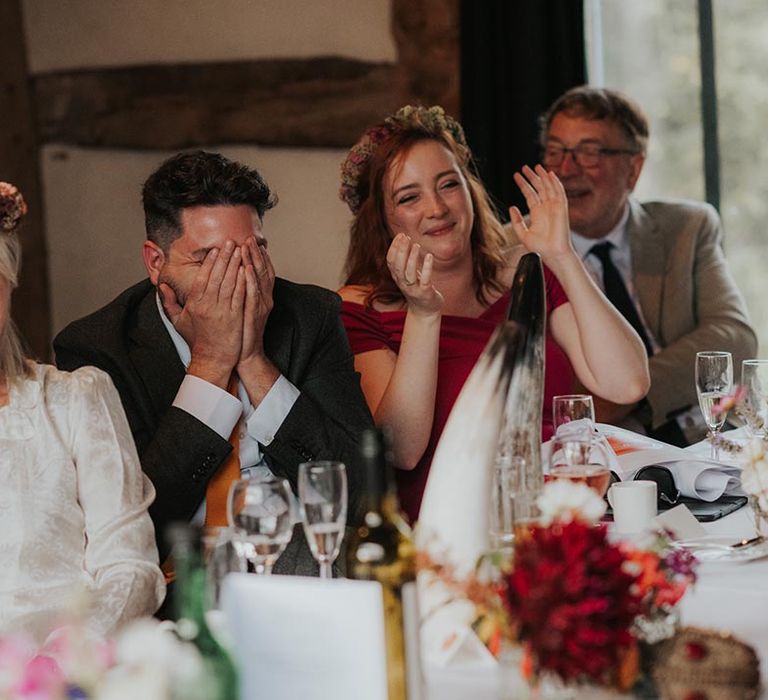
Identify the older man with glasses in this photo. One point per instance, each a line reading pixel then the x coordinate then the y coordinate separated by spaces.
pixel 661 263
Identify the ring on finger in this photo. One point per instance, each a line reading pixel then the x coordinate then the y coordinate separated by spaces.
pixel 409 283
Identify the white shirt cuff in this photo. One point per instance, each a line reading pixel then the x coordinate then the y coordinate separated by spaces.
pixel 211 405
pixel 269 415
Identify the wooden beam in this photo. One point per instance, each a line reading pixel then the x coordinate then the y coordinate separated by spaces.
pixel 315 102
pixel 427 36
pixel 19 164
pixel 287 102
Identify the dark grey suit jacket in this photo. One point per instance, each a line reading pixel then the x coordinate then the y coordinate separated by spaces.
pixel 304 338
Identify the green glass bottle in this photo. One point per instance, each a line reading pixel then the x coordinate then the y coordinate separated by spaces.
pixel 218 679
pixel 381 549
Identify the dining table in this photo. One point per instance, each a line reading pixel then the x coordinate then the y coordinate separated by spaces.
pixel 730 595
pixel 339 623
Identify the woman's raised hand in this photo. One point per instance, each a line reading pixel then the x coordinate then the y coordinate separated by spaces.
pixel 412 273
pixel 547 231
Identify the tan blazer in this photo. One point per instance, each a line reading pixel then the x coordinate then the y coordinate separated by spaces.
pixel 688 296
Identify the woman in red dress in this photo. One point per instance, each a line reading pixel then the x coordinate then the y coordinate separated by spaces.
pixel 428 272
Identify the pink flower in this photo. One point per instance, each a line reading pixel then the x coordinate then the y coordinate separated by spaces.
pixel 12 206
pixel 15 652
pixel 81 654
pixel 726 403
pixel 42 680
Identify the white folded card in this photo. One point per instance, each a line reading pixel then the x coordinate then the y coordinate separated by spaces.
pixel 680 522
pixel 301 637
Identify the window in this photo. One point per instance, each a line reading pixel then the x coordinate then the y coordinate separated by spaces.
pixel 650 50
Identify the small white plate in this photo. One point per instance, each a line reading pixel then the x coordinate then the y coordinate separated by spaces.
pixel 719 548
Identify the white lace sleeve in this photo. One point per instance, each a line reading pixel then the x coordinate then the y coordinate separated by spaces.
pixel 120 552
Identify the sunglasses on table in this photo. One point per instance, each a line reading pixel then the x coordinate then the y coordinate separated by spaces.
pixel 667 494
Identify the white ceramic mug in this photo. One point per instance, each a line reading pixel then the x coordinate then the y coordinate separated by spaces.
pixel 634 505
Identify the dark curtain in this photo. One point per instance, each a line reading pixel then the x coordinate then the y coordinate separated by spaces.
pixel 517 56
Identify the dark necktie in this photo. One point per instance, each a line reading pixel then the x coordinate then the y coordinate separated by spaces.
pixel 617 293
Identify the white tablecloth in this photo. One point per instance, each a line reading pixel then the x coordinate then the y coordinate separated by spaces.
pixel 733 596
pixel 728 596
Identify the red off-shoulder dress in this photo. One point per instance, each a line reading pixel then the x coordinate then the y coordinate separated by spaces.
pixel 462 340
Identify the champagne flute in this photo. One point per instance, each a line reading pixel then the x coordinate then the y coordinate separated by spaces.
pixel 260 511
pixel 754 379
pixel 582 460
pixel 714 380
pixel 323 499
pixel 570 408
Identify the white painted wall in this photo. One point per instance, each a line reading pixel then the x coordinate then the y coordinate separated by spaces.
pixel 87 33
pixel 92 196
pixel 95 222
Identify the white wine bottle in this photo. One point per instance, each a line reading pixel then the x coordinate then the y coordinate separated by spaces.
pixel 381 549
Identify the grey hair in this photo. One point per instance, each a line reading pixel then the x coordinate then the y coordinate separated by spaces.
pixel 13 362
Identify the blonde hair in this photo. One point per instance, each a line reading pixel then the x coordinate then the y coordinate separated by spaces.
pixel 13 362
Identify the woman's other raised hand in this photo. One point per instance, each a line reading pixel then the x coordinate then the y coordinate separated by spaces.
pixel 547 231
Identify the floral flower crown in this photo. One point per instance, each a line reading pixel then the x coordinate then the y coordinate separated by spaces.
pixel 432 120
pixel 12 207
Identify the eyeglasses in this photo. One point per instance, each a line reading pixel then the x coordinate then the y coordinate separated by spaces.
pixel 586 155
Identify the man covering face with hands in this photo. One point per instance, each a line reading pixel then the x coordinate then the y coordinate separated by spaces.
pixel 224 370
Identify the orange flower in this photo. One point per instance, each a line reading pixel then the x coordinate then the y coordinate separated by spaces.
pixel 646 565
pixel 628 669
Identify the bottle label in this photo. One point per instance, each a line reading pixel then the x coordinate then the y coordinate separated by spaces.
pixel 395 643
pixel 369 552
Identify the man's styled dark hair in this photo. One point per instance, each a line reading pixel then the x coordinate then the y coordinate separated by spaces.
pixel 600 104
pixel 195 179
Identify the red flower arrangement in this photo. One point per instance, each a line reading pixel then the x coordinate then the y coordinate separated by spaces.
pixel 577 603
pixel 663 574
pixel 573 600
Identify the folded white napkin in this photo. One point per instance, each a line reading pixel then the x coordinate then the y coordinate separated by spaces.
pixel 695 476
pixel 706 481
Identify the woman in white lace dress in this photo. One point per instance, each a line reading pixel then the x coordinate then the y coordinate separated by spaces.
pixel 73 498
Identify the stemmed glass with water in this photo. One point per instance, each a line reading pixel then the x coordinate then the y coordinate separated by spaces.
pixel 323 499
pixel 573 411
pixel 260 512
pixel 576 452
pixel 581 459
pixel 222 555
pixel 714 381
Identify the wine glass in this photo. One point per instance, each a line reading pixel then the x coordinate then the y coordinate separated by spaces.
pixel 323 499
pixel 714 380
pixel 578 409
pixel 580 459
pixel 260 511
pixel 754 379
pixel 505 484
pixel 221 556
